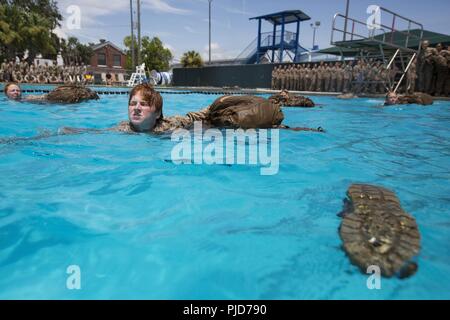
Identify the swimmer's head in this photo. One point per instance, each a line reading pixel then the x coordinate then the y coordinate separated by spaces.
pixel 144 108
pixel 439 47
pixel 391 99
pixel 13 91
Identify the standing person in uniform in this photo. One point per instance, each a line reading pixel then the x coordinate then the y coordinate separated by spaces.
pixel 3 68
pixel 386 80
pixel 411 77
pixel 278 78
pixel 340 77
pixel 440 62
pixel 321 77
pixel 447 80
pixel 313 83
pixel 333 79
pixel 297 78
pixel 301 74
pixel 358 76
pixel 326 78
pixel 288 78
pixel 427 68
pixel 284 78
pixel 292 78
pixel 274 78
pixel 348 76
pixel 372 77
pixel 307 78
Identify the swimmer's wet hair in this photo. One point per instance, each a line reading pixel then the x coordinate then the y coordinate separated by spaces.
pixel 9 84
pixel 150 95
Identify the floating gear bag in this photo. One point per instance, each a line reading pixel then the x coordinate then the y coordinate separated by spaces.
pixel 245 112
pixel 71 94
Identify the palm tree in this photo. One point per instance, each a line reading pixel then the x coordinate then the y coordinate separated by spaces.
pixel 192 59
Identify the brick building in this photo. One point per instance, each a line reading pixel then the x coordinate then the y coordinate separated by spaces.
pixel 107 58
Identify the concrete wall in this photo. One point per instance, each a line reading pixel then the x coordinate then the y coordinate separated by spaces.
pixel 244 76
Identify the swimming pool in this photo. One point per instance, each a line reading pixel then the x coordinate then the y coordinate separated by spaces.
pixel 139 226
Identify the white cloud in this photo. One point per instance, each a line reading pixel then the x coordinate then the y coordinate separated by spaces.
pixel 217 53
pixel 191 30
pixel 238 11
pixel 168 46
pixel 91 10
pixel 164 7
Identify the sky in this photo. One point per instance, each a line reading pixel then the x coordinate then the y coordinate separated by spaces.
pixel 182 25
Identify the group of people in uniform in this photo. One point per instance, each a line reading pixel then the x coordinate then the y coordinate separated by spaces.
pixel 429 73
pixel 433 70
pixel 354 76
pixel 23 72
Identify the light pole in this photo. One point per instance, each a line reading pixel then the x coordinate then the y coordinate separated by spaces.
pixel 132 36
pixel 139 31
pixel 315 26
pixel 346 19
pixel 209 31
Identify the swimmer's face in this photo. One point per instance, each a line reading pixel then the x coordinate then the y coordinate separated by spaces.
pixel 425 44
pixel 142 114
pixel 391 99
pixel 13 92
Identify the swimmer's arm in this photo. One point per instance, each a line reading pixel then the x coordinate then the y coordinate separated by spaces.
pixel 44 135
pixel 71 130
pixel 282 126
pixel 198 115
pixel 124 126
pixel 34 98
pixel 48 134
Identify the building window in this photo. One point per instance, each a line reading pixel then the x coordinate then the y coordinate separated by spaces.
pixel 101 59
pixel 117 61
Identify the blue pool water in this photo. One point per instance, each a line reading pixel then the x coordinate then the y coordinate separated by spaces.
pixel 139 226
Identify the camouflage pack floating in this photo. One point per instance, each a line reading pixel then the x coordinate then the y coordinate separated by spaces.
pixel 71 94
pixel 245 112
pixel 285 99
pixel 377 231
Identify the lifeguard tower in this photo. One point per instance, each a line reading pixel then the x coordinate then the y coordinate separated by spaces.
pixel 138 77
pixel 396 43
pixel 280 44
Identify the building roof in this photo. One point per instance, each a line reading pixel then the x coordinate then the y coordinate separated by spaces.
pixel 290 16
pixel 398 38
pixel 104 44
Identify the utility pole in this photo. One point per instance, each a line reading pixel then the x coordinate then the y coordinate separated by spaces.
pixel 346 19
pixel 209 31
pixel 139 31
pixel 133 62
pixel 315 26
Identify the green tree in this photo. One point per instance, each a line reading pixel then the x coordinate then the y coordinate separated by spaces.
pixel 127 44
pixel 26 26
pixel 192 59
pixel 73 51
pixel 153 53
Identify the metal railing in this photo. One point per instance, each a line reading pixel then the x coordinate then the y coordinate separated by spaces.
pixel 267 40
pixel 388 35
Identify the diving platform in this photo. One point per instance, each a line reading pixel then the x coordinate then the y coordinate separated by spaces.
pixel 395 44
pixel 278 44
